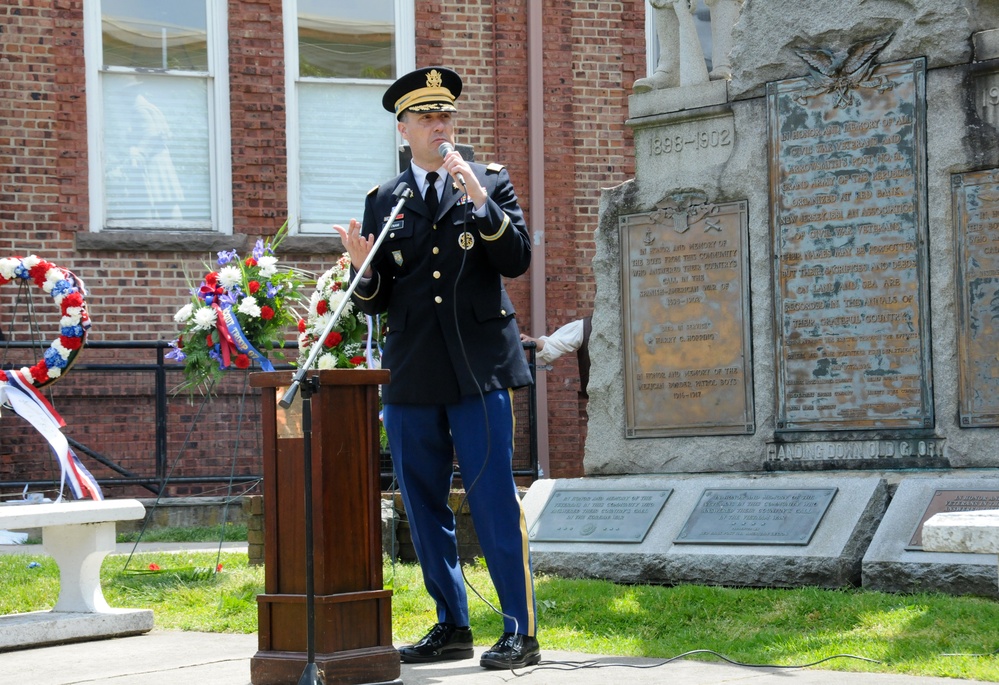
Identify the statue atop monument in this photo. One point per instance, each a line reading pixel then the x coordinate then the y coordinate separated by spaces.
pixel 681 60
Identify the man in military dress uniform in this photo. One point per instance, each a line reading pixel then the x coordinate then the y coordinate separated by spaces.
pixel 454 351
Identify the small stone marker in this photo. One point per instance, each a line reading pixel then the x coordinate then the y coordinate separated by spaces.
pixel 953 501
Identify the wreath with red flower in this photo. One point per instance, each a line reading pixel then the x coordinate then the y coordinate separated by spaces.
pixel 354 341
pixel 68 293
pixel 242 310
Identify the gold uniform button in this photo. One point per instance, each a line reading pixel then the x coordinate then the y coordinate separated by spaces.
pixel 437 274
pixel 391 235
pixel 438 299
pixel 502 312
pixel 437 250
pixel 435 227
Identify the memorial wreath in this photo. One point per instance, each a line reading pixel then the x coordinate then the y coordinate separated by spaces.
pixel 68 293
pixel 19 388
pixel 242 309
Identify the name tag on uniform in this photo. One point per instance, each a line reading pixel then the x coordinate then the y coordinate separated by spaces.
pixel 399 221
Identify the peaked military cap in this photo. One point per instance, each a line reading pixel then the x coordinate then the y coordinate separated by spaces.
pixel 431 89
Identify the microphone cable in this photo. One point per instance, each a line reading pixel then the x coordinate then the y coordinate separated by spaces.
pixel 485 417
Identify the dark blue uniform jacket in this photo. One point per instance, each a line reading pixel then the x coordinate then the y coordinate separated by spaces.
pixel 452 330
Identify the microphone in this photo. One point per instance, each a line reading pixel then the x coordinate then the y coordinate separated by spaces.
pixel 443 151
pixel 402 191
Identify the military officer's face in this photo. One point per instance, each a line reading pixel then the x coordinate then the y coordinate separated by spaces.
pixel 425 131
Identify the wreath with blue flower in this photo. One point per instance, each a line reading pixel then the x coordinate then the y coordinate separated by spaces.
pixel 242 310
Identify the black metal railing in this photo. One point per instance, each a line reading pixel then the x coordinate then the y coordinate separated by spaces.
pixel 525 405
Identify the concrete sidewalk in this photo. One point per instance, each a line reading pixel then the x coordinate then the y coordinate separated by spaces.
pixel 169 657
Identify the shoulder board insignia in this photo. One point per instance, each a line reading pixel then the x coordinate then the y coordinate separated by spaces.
pixel 495 168
pixel 374 189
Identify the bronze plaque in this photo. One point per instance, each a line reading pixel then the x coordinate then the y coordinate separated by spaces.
pixel 688 368
pixel 945 501
pixel 756 516
pixel 976 213
pixel 848 197
pixel 599 515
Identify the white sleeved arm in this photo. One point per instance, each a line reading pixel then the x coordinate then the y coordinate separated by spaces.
pixel 568 338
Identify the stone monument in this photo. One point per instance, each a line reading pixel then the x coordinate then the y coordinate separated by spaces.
pixel 797 291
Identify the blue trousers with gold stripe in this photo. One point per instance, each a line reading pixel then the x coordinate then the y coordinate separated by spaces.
pixel 424 440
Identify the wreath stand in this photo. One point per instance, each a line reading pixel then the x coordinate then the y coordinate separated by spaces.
pixel 165 481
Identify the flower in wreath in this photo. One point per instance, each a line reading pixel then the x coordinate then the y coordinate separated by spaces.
pixel 68 294
pixel 354 341
pixel 243 309
pixel 19 388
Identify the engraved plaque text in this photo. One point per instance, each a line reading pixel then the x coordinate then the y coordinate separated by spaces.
pixel 599 515
pixel 976 212
pixel 756 516
pixel 686 315
pixel 848 196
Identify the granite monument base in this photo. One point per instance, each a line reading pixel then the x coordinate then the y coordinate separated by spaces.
pixel 893 564
pixel 829 558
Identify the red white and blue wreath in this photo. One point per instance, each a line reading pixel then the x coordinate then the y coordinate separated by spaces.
pixel 19 388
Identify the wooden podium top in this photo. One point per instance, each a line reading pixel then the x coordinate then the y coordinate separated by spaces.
pixel 282 379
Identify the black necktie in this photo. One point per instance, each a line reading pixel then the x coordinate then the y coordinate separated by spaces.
pixel 430 197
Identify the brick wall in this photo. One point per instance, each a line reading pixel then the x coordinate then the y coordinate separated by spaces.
pixel 256 90
pixel 42 146
pixel 592 53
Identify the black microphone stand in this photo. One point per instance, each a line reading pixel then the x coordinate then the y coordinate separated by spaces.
pixel 310 676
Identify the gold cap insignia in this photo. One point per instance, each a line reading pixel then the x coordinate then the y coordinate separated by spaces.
pixel 432 89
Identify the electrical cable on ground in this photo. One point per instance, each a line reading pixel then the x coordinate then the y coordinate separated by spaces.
pixel 581 665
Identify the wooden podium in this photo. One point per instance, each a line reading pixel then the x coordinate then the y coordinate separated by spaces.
pixel 353 612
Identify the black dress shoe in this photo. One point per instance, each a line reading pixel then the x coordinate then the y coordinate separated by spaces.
pixel 512 651
pixel 444 642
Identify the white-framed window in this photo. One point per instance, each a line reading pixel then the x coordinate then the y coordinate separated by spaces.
pixel 340 56
pixel 158 115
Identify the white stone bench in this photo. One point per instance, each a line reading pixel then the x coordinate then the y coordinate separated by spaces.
pixel 77 535
pixel 974 532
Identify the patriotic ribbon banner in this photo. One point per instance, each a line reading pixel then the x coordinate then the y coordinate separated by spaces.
pixel 32 406
pixel 232 333
pixel 19 389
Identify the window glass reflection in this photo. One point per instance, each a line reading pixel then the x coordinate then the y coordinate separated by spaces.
pixel 155 35
pixel 346 39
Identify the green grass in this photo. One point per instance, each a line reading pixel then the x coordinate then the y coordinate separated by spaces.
pixel 234 532
pixel 908 634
